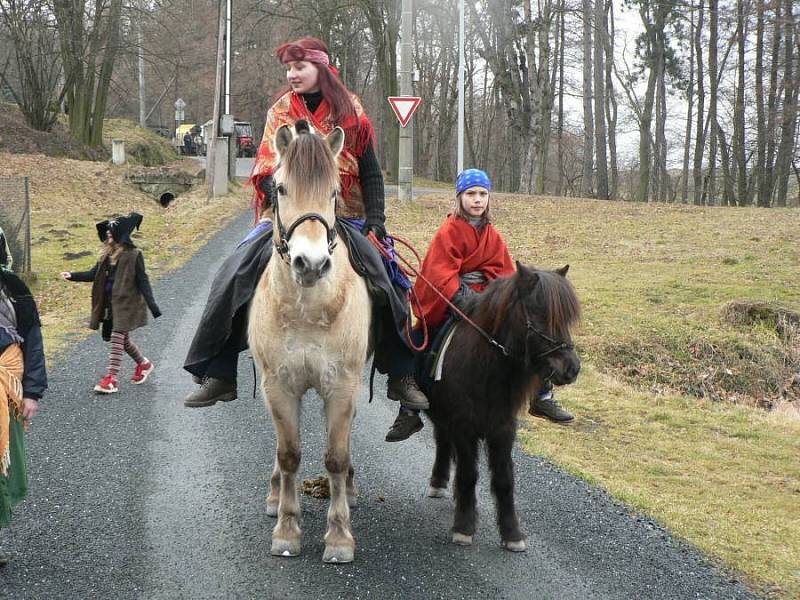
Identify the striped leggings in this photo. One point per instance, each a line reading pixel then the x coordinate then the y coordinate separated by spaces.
pixel 121 341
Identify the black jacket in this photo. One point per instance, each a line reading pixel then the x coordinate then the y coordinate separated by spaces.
pixel 29 327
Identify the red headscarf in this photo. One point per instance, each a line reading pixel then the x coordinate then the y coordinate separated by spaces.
pixel 339 107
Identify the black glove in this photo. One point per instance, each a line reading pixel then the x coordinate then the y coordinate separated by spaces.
pixel 267 185
pixel 462 296
pixel 375 227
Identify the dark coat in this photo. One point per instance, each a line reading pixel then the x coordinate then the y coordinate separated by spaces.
pixel 231 291
pixel 131 294
pixel 235 284
pixel 34 377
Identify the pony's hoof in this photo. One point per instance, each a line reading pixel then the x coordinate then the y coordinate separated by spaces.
pixel 518 546
pixel 462 539
pixel 272 509
pixel 352 501
pixel 338 554
pixel 435 492
pixel 285 548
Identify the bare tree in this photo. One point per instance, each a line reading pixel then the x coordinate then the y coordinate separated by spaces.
pixel 29 26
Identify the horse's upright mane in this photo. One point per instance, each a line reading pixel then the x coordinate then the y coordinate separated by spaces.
pixel 311 168
pixel 553 294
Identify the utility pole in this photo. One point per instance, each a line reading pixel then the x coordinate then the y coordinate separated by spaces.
pixel 405 173
pixel 140 54
pixel 461 69
pixel 232 136
pixel 212 171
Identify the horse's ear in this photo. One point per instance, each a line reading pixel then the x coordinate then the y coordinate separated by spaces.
pixel 528 279
pixel 336 140
pixel 563 270
pixel 283 138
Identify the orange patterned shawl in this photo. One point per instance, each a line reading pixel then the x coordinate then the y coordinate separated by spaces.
pixel 359 134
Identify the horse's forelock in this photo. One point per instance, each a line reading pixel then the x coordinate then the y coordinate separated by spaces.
pixel 310 167
pixel 556 296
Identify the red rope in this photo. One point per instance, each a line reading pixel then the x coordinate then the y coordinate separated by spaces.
pixel 412 295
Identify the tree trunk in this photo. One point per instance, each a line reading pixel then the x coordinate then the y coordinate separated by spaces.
pixel 738 112
pixel 713 11
pixel 600 99
pixel 560 184
pixel 700 140
pixel 772 109
pixel 611 102
pixel 762 198
pixel 689 108
pixel 588 120
pixel 789 117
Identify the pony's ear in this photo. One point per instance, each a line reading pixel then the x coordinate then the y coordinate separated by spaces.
pixel 336 140
pixel 563 270
pixel 283 138
pixel 528 279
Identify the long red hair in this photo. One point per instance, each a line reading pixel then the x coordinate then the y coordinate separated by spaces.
pixel 331 86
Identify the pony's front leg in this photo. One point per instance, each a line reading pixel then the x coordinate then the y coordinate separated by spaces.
pixel 440 475
pixel 273 499
pixel 339 542
pixel 502 467
pixel 466 514
pixel 287 537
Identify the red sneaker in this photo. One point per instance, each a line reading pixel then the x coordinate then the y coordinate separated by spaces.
pixel 107 385
pixel 142 372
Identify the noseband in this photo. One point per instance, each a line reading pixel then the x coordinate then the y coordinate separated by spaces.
pixel 284 235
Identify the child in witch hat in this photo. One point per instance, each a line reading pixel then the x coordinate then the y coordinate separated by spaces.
pixel 121 295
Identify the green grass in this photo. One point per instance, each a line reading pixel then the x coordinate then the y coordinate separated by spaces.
pixel 142 146
pixel 68 197
pixel 667 403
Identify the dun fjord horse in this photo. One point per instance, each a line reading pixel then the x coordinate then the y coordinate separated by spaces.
pixel 309 329
pixel 487 376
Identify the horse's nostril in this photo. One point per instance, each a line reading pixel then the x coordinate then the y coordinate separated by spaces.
pixel 300 264
pixel 325 266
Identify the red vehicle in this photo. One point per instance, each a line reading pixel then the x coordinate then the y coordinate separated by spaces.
pixel 245 144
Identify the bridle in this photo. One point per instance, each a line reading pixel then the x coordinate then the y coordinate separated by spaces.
pixel 284 235
pixel 555 345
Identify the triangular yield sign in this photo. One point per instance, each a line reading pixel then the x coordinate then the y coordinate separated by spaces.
pixel 404 107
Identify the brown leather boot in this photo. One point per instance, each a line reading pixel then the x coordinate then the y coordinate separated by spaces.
pixel 407 392
pixel 405 425
pixel 210 392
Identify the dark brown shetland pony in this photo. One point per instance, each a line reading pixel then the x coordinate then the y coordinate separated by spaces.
pixel 483 387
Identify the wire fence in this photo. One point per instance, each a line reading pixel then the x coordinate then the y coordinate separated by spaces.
pixel 15 220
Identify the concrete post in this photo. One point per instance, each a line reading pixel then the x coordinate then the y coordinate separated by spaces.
pixel 405 175
pixel 220 167
pixel 118 152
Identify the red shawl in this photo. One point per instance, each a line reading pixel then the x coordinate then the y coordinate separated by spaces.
pixel 458 248
pixel 359 133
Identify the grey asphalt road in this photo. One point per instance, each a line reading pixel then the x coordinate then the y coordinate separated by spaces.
pixel 135 496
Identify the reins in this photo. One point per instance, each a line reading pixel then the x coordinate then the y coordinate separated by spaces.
pixel 413 298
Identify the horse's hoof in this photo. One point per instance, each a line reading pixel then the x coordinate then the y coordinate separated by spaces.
pixel 436 492
pixel 352 501
pixel 338 554
pixel 461 539
pixel 285 548
pixel 518 546
pixel 272 509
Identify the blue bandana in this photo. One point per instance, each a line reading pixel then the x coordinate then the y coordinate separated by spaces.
pixel 471 178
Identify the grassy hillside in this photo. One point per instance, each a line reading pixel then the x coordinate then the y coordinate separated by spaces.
pixel 682 411
pixel 69 196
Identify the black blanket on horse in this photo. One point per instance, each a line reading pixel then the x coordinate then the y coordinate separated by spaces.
pixel 225 315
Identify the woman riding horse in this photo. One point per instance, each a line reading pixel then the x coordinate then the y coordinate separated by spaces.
pixel 315 94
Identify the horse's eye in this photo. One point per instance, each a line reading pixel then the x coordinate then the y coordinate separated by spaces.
pixel 333 195
pixel 281 190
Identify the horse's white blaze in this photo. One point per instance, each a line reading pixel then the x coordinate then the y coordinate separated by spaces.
pixel 314 251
